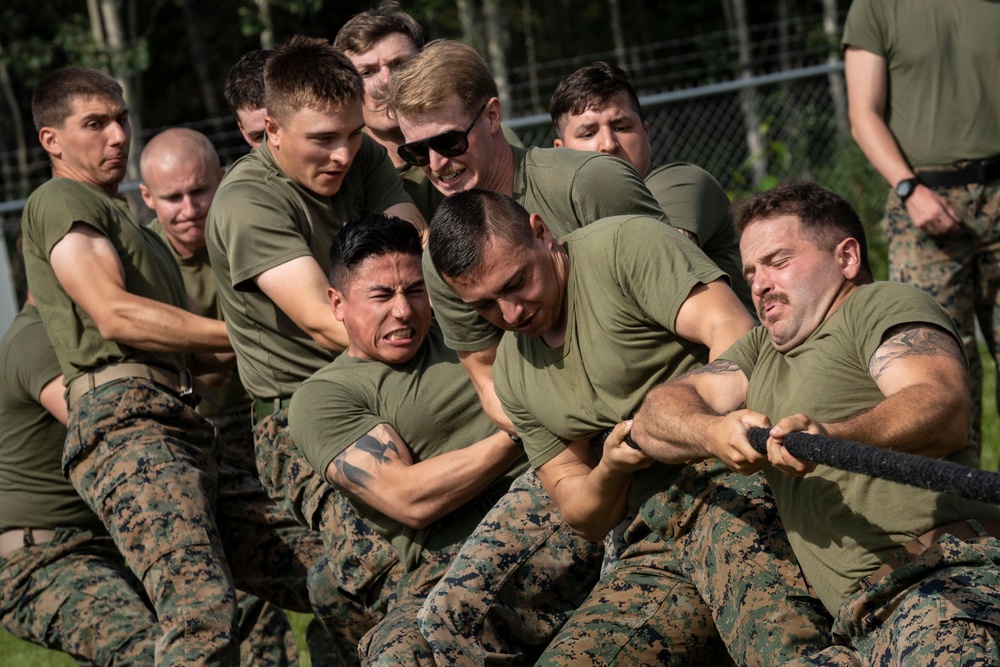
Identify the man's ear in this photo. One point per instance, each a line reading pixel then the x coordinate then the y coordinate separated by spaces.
pixel 538 227
pixel 49 139
pixel 848 253
pixel 271 131
pixel 557 143
pixel 147 196
pixel 494 114
pixel 336 302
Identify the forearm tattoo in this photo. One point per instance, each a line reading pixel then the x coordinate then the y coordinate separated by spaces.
pixel 913 341
pixel 717 366
pixel 366 444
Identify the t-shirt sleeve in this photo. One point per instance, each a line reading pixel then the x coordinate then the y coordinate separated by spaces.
pixel 36 363
pixel 51 212
pixel 692 199
pixel 327 416
pixel 605 186
pixel 876 310
pixel 258 228
pixel 464 330
pixel 745 351
pixel 657 268
pixel 865 27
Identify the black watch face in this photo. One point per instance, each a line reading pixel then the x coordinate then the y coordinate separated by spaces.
pixel 904 189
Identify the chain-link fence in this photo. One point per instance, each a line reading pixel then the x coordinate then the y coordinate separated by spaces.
pixel 748 133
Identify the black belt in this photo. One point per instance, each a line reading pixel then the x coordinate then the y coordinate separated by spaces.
pixel 962 173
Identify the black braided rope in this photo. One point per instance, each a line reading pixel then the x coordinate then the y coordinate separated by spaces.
pixel 919 471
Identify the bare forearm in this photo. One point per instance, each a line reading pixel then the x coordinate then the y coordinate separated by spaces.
pixel 920 419
pixel 158 327
pixel 879 146
pixel 670 433
pixel 594 503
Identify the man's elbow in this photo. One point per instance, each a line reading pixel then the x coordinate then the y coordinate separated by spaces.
pixel 586 528
pixel 418 516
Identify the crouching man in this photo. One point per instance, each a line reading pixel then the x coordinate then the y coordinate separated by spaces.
pixel 396 424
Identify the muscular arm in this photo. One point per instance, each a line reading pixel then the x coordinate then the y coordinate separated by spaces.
pixel 479 366
pixel 89 269
pixel 379 471
pixel 713 316
pixel 592 494
pixel 698 415
pixel 51 398
pixel 299 288
pixel 867 77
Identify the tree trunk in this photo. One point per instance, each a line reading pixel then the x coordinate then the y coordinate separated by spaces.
pixel 617 36
pixel 497 39
pixel 837 90
pixel 267 26
pixel 739 35
pixel 17 122
pixel 528 18
pixel 200 58
pixel 468 17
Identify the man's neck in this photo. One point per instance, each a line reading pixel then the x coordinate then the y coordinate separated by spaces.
pixel 390 141
pixel 110 189
pixel 556 336
pixel 502 180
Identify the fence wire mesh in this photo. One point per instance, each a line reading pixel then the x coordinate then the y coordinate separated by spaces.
pixel 750 134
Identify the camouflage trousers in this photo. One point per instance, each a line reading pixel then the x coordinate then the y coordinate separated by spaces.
pixel 236 432
pixel 961 270
pixel 944 606
pixel 396 640
pixel 75 594
pixel 707 570
pixel 514 583
pixel 147 464
pixel 346 584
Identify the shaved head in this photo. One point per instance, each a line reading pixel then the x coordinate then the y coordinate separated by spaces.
pixel 180 173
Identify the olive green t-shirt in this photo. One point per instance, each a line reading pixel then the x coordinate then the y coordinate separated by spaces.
pixel 260 219
pixel 628 277
pixel 199 281
pixel 695 202
pixel 33 491
pixel 844 525
pixel 149 272
pixel 428 400
pixel 569 189
pixel 943 98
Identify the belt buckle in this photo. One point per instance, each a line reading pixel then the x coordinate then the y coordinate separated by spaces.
pixel 186 388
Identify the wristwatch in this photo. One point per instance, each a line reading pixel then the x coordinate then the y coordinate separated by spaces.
pixel 906 187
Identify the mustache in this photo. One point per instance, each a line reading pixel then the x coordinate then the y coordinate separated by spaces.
pixel 769 298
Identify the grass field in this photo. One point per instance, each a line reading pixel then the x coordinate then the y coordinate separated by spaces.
pixel 16 653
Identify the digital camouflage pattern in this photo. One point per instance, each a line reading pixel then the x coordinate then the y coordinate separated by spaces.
pixel 946 612
pixel 514 583
pixel 145 462
pixel 75 594
pixel 236 432
pixel 708 550
pixel 396 640
pixel 148 465
pixel 961 270
pixel 346 584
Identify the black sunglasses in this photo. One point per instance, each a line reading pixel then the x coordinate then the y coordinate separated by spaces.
pixel 447 144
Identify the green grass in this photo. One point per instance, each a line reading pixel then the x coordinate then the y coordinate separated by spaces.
pixel 14 652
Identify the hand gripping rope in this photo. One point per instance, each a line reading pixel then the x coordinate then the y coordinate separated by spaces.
pixel 918 471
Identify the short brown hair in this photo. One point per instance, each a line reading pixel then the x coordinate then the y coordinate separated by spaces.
pixel 591 87
pixel 244 89
pixel 308 73
pixel 52 100
pixel 824 215
pixel 430 79
pixel 362 31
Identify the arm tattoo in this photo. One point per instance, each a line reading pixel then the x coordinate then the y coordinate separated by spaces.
pixel 375 447
pixel 913 341
pixel 366 444
pixel 352 474
pixel 718 366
